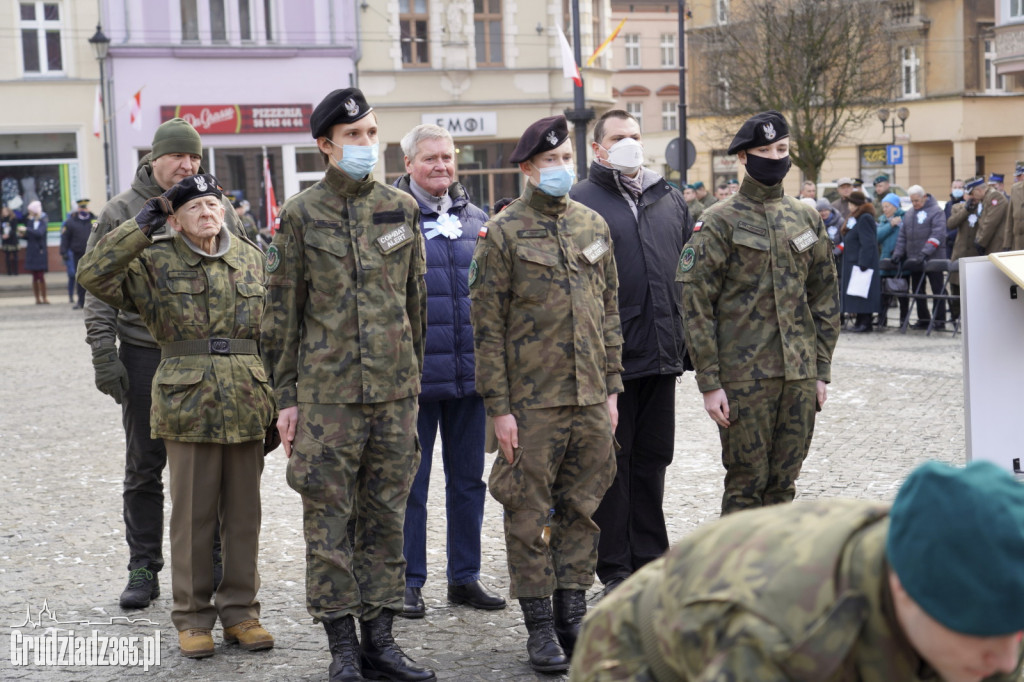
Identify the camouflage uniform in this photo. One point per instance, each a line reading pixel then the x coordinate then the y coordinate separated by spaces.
pixel 343 339
pixel 548 351
pixel 761 307
pixel 1017 215
pixel 211 401
pixel 800 593
pixel 988 232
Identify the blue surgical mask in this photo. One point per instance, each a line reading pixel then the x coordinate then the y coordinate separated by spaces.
pixel 958 194
pixel 556 180
pixel 356 160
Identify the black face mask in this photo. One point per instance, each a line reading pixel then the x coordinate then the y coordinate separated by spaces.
pixel 768 171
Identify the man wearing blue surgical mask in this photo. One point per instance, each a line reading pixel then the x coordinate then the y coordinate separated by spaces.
pixel 649 222
pixel 548 354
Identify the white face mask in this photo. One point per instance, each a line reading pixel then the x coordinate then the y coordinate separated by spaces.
pixel 626 156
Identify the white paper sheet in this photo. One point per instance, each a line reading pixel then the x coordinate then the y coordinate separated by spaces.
pixel 860 282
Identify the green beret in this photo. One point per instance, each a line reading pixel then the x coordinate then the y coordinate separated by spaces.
pixel 176 136
pixel 956 542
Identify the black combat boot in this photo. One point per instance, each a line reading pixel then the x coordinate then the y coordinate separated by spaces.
pixel 546 654
pixel 143 587
pixel 570 607
pixel 382 659
pixel 341 639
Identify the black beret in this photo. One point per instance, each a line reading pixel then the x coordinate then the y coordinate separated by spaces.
pixel 341 106
pixel 193 187
pixel 544 135
pixel 759 130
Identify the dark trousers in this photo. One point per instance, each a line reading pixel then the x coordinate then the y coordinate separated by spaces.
pixel 11 259
pixel 73 285
pixel 630 514
pixel 939 306
pixel 461 421
pixel 145 458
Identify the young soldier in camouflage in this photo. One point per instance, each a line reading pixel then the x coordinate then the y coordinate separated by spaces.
pixel 830 591
pixel 343 339
pixel 199 290
pixel 761 309
pixel 548 362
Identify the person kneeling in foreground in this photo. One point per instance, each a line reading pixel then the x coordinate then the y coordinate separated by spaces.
pixel 928 589
pixel 200 293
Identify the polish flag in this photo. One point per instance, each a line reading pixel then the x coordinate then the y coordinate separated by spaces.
pixel 97 114
pixel 136 110
pixel 268 198
pixel 569 68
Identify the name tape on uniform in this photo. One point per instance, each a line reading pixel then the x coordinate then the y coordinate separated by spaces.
pixel 804 240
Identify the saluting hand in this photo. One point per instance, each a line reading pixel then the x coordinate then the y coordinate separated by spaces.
pixel 507 431
pixel 717 405
pixel 286 421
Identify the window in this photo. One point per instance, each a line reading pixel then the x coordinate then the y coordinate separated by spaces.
pixel 910 72
pixel 1016 9
pixel 637 109
pixel 244 21
pixel 720 96
pixel 189 21
pixel 722 11
pixel 632 50
pixel 668 49
pixel 41 38
pixel 218 23
pixel 268 13
pixel 670 115
pixel 993 81
pixel 413 22
pixel 487 21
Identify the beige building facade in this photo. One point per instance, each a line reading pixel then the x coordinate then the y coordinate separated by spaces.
pixel 964 111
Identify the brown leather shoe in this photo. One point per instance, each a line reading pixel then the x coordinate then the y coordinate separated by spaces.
pixel 195 642
pixel 249 635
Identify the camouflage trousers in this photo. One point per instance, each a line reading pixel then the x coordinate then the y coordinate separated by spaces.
pixel 770 426
pixel 354 459
pixel 564 462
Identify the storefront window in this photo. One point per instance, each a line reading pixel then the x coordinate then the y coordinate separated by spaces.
pixel 40 167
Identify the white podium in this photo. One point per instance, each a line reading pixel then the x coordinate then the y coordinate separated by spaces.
pixel 992 314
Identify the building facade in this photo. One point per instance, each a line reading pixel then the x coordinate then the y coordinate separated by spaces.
pixel 1009 39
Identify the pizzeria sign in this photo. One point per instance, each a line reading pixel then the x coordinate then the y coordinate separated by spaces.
pixel 241 119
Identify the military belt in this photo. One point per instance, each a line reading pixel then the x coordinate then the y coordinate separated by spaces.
pixel 216 346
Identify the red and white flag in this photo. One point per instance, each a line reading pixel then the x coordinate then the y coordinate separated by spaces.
pixel 136 110
pixel 569 67
pixel 97 114
pixel 268 197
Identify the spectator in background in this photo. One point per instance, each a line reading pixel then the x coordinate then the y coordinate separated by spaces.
pixel 881 189
pixel 241 207
pixel 694 206
pixel 809 190
pixel 888 232
pixel 956 195
pixel 722 192
pixel 703 197
pixel 37 261
pixel 844 186
pixel 9 239
pixel 1017 207
pixel 996 180
pixel 920 240
pixel 833 220
pixel 861 251
pixel 733 184
pixel 74 236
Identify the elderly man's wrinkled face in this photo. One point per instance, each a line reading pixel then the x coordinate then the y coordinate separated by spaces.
pixel 433 169
pixel 200 219
pixel 917 201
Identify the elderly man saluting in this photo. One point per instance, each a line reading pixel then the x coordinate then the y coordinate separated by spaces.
pixel 199 290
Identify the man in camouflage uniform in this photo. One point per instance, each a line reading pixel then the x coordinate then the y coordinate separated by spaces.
pixel 343 339
pixel 761 309
pixel 200 294
pixel 548 361
pixel 830 590
pixel 1017 208
pixel 977 220
pixel 125 371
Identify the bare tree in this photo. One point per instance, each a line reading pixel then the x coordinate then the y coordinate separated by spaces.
pixel 826 64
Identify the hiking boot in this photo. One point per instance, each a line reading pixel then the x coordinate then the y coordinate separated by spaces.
pixel 143 587
pixel 569 606
pixel 341 639
pixel 249 635
pixel 382 659
pixel 546 654
pixel 195 642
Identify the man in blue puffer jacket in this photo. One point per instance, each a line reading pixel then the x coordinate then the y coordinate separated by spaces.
pixel 450 224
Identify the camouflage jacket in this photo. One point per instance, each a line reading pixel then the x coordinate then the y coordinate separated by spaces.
pixel 1017 215
pixel 995 232
pixel 760 295
pixel 103 323
pixel 181 295
pixel 347 310
pixel 545 312
pixel 799 592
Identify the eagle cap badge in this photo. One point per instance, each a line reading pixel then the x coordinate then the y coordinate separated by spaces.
pixel 552 138
pixel 201 183
pixel 769 131
pixel 351 108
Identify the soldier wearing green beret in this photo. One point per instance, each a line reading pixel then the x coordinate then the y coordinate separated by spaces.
pixel 761 308
pixel 548 361
pixel 830 590
pixel 343 340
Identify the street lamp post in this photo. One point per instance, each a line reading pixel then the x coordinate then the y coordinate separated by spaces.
pixel 902 114
pixel 101 46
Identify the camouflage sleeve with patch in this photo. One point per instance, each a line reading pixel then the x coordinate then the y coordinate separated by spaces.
pixel 823 301
pixel 490 276
pixel 416 292
pixel 702 268
pixel 110 271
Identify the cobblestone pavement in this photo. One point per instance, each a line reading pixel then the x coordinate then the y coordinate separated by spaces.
pixel 895 401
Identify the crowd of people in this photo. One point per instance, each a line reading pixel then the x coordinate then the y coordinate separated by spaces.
pixel 551 335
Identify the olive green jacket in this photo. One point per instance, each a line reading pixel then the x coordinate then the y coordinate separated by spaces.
pixel 347 309
pixel 181 295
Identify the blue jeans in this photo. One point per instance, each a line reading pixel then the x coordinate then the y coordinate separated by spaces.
pixel 462 450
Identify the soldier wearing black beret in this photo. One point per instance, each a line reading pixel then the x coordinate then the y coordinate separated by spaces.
pixel 543 280
pixel 761 306
pixel 343 336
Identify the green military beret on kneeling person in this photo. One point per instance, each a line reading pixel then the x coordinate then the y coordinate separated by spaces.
pixel 956 543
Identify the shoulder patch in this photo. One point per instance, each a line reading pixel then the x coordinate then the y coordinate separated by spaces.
pixel 804 240
pixel 595 251
pixel 273 259
pixel 699 224
pixel 687 259
pixel 474 269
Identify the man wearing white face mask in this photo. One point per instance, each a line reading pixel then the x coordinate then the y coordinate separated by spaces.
pixel 342 338
pixel 547 344
pixel 649 222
